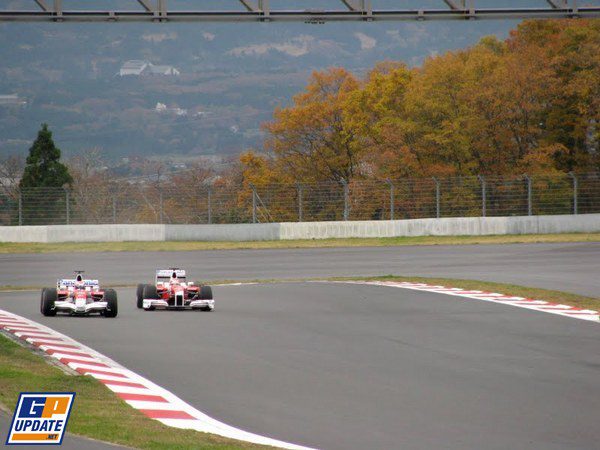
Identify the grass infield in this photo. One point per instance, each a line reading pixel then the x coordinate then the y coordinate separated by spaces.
pixel 100 414
pixel 69 247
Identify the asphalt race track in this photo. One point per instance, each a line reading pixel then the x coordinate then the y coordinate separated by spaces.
pixel 566 267
pixel 341 366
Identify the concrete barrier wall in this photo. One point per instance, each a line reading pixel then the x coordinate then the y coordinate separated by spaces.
pixel 225 232
pixel 475 226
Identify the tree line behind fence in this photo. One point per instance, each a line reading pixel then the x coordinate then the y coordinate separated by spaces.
pixel 190 203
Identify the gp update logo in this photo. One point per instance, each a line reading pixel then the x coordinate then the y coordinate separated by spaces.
pixel 40 418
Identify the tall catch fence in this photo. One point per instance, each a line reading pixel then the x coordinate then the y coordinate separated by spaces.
pixel 178 202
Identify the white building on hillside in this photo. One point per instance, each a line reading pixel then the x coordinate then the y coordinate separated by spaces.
pixel 133 67
pixel 162 70
pixel 12 100
pixel 136 67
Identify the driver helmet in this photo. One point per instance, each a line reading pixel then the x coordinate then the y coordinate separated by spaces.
pixel 79 283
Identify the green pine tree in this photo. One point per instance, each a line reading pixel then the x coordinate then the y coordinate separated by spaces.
pixel 43 183
pixel 43 167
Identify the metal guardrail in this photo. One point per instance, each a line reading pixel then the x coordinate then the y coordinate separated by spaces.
pixel 265 11
pixel 176 202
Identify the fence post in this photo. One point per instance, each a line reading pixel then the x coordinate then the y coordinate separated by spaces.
pixel 346 199
pixel 20 208
pixel 575 189
pixel 254 217
pixel 437 197
pixel 391 185
pixel 299 190
pixel 529 195
pixel 483 195
pixel 114 209
pixel 209 205
pixel 68 210
pixel 160 199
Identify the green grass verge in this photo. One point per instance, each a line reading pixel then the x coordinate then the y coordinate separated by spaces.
pixel 14 247
pixel 97 412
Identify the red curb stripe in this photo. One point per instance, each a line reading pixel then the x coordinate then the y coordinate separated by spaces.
pixel 40 342
pixel 122 383
pixel 15 329
pixel 81 361
pixel 52 351
pixel 29 336
pixel 142 397
pixel 19 325
pixel 100 372
pixel 166 414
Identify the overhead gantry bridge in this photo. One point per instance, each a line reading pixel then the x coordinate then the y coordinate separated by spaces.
pixel 266 11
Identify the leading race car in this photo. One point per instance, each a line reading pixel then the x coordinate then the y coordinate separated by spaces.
pixel 171 290
pixel 78 296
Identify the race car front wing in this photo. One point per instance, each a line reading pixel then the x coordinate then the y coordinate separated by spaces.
pixel 80 307
pixel 151 303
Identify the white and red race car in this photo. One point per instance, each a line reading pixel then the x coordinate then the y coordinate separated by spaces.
pixel 171 290
pixel 78 296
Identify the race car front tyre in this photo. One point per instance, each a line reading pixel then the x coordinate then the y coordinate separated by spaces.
pixel 150 292
pixel 140 295
pixel 205 293
pixel 110 297
pixel 49 296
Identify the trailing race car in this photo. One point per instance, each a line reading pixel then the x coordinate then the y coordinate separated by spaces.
pixel 78 297
pixel 171 291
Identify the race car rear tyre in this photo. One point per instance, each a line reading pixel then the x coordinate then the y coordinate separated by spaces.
pixel 140 295
pixel 205 293
pixel 112 308
pixel 49 296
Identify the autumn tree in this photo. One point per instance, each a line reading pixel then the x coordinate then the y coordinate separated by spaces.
pixel 501 108
pixel 312 139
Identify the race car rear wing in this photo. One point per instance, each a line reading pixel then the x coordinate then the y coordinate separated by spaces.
pixel 164 275
pixel 66 283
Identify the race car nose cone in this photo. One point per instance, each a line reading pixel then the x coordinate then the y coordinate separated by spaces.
pixel 80 304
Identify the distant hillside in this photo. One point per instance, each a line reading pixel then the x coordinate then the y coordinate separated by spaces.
pixel 231 78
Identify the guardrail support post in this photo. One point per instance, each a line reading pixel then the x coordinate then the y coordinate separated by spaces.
pixel 437 197
pixel 254 216
pixel 20 208
pixel 483 195
pixel 209 219
pixel 575 189
pixel 300 212
pixel 529 195
pixel 160 199
pixel 391 185
pixel 346 200
pixel 68 210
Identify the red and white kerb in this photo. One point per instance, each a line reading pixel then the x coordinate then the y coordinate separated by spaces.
pixel 137 391
pixel 521 302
